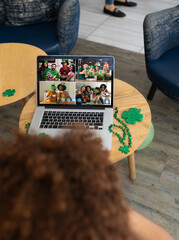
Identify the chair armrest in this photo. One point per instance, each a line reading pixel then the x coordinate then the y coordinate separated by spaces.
pixel 68 24
pixel 161 32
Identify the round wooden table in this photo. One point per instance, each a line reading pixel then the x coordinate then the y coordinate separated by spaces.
pixel 18 70
pixel 125 97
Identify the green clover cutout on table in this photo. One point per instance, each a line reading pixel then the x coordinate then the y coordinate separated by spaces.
pixel 132 116
pixel 9 93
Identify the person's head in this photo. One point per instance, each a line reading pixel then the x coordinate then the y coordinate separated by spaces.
pixel 64 62
pixel 53 66
pixel 91 68
pixel 103 87
pixel 88 88
pixel 85 66
pixel 53 87
pixel 106 66
pixel 83 88
pixel 45 64
pixel 72 68
pixel 96 91
pixel 97 66
pixel 61 87
pixel 49 190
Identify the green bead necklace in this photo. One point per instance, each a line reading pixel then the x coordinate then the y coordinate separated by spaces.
pixel 126 132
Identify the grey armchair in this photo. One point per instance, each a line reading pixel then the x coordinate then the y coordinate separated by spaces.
pixel 161 42
pixel 54 37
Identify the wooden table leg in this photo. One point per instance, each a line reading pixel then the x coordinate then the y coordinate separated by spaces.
pixel 131 165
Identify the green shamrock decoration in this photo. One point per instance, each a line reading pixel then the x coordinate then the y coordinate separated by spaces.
pixel 132 116
pixel 126 132
pixel 9 93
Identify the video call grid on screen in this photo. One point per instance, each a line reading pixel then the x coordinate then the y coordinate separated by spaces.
pixel 75 81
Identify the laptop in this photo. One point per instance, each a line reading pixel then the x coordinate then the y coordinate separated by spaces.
pixel 73 90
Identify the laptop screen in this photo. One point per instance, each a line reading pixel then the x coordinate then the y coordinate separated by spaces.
pixel 75 81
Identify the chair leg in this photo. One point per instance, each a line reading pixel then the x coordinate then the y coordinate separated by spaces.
pixel 151 92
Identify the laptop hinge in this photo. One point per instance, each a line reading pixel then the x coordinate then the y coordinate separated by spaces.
pixel 74 107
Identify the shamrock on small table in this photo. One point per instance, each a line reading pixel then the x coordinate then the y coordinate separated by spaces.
pixel 124 149
pixel 9 93
pixel 132 116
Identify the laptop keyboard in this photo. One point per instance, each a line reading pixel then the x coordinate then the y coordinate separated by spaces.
pixel 57 119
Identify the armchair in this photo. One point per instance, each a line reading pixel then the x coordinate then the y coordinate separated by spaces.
pixel 161 42
pixel 54 37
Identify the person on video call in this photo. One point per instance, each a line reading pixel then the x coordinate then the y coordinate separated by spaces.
pixel 96 97
pixel 64 71
pixel 51 95
pixel 65 188
pixel 110 8
pixel 104 90
pixel 82 72
pixel 71 74
pixel 52 74
pixel 80 94
pixel 106 71
pixel 62 88
pixel 88 93
pixel 98 71
pixel 44 69
pixel 91 72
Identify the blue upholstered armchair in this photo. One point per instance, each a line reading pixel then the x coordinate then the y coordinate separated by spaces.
pixel 161 41
pixel 51 25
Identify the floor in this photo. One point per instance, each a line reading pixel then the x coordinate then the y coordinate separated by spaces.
pixel 125 33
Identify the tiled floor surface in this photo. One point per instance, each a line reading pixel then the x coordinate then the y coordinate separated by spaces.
pixel 125 33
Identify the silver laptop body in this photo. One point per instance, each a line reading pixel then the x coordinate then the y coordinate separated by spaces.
pixel 62 101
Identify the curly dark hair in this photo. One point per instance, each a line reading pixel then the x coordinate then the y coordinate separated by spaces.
pixel 60 189
pixel 88 87
pixel 103 85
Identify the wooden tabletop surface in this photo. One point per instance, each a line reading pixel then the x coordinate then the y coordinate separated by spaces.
pixel 125 97
pixel 18 70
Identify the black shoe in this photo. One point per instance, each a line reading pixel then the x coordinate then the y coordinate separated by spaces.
pixel 126 3
pixel 115 13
